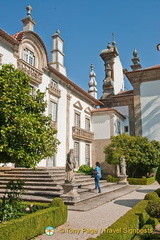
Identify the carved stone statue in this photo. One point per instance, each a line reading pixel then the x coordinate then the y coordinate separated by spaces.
pixel 122 171
pixel 70 166
pixel 122 166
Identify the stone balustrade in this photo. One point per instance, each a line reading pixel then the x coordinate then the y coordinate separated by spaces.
pixel 82 134
pixel 34 73
pixel 54 90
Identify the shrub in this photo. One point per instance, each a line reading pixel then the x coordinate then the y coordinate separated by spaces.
pixel 112 179
pixel 127 224
pixel 85 169
pixel 151 196
pixel 153 208
pixel 133 181
pixel 158 175
pixel 158 191
pixel 31 225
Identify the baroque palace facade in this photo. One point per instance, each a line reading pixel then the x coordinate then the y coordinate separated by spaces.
pixel 83 122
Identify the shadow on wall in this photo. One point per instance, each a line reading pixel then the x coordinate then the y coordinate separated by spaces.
pixel 108 169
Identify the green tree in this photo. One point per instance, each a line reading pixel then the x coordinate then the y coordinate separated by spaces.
pixel 140 154
pixel 26 134
pixel 158 174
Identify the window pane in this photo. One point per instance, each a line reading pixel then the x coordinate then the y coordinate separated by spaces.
pixel 29 56
pixel 53 111
pixel 77 120
pixel 76 153
pixel 87 124
pixel 87 159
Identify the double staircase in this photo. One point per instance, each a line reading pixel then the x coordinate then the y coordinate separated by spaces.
pixel 44 184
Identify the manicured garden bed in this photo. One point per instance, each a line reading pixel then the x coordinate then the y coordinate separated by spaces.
pixel 134 223
pixel 31 225
pixel 133 181
pixel 138 223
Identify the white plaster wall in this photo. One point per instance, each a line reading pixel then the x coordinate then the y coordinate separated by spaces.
pixel 101 126
pixel 118 76
pixel 116 120
pixel 125 111
pixel 60 58
pixel 8 56
pixel 150 109
pixel 83 115
pixel 60 45
pixel 61 126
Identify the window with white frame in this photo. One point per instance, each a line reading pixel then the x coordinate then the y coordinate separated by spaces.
pixel 53 111
pixel 51 161
pixel 76 153
pixel 118 127
pixel 77 119
pixel 125 128
pixel 29 56
pixel 87 124
pixel 87 155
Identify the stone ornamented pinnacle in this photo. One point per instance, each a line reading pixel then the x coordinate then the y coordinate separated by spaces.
pixel 113 40
pixel 136 65
pixel 109 45
pixel 29 10
pixel 92 83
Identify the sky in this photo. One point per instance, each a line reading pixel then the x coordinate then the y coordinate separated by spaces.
pixel 86 26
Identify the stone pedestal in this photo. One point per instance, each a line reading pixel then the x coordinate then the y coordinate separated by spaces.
pixel 123 179
pixel 70 193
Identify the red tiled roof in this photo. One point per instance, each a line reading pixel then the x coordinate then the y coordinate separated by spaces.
pixel 108 109
pixel 153 67
pixel 126 92
pixel 18 36
pixel 8 37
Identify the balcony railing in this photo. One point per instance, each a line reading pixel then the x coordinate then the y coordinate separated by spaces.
pixel 54 90
pixel 32 72
pixel 82 134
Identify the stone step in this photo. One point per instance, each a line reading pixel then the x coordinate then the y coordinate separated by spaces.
pixel 24 176
pixel 31 187
pixel 99 199
pixel 37 193
pixel 44 184
pixel 32 183
pixel 26 172
pixel 93 193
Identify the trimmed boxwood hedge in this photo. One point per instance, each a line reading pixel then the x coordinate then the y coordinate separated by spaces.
pixel 31 225
pixel 133 181
pixel 151 196
pixel 126 226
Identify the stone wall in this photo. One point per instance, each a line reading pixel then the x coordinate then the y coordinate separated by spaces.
pixel 99 156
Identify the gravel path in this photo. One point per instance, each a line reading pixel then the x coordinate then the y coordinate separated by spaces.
pixel 82 225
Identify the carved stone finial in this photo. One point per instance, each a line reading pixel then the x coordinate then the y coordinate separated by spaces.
pixel 92 73
pixel 135 53
pixel 109 45
pixel 92 83
pixel 58 31
pixel 113 40
pixel 29 10
pixel 136 65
